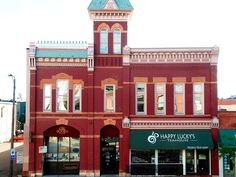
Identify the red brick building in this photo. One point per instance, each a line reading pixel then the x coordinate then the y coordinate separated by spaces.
pixel 227 140
pixel 106 108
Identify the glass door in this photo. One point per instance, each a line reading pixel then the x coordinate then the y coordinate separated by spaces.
pixel 110 155
pixel 190 161
pixel 203 162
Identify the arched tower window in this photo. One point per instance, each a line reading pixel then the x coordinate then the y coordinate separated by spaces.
pixel 104 41
pixel 116 41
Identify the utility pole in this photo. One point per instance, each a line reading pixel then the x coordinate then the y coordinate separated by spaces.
pixel 12 150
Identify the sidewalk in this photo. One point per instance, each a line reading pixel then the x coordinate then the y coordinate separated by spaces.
pixel 5 159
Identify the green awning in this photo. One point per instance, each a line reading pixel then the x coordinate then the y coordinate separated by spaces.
pixel 170 139
pixel 227 138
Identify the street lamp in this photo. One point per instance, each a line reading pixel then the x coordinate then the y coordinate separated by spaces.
pixel 12 126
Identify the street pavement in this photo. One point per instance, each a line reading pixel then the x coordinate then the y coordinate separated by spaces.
pixel 5 159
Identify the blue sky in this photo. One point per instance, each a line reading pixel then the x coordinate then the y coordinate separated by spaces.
pixel 155 23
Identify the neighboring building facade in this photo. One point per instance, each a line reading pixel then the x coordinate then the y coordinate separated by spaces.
pixel 20 114
pixel 5 120
pixel 227 143
pixel 105 108
pixel 227 104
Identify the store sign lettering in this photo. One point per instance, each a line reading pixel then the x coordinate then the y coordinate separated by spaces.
pixel 171 137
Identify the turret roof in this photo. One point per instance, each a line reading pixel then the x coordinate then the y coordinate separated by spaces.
pixel 100 4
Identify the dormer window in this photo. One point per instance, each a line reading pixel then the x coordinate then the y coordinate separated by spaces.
pixel 117 41
pixel 104 41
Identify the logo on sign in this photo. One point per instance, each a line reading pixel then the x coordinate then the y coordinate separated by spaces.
pixel 62 130
pixel 153 138
pixel 171 137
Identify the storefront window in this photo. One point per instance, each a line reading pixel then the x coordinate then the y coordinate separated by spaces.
pixel 63 149
pixel 190 161
pixel 74 149
pixel 143 162
pixel 143 156
pixel 52 149
pixel 170 162
pixel 169 156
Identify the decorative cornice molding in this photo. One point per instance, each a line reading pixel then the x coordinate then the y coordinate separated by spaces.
pixel 81 62
pixel 172 124
pixel 173 55
pixel 110 15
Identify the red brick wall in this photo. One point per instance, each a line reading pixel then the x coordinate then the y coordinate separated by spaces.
pixel 227 119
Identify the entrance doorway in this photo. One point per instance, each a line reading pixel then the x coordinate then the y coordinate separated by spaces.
pixel 197 162
pixel 203 162
pixel 63 151
pixel 109 150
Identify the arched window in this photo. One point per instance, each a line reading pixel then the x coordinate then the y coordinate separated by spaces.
pixel 104 41
pixel 116 41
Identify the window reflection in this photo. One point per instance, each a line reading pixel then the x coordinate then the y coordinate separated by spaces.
pixel 160 98
pixel 62 95
pixel 179 98
pixel 47 100
pixel 77 97
pixel 198 98
pixel 104 41
pixel 109 98
pixel 140 98
pixel 63 148
pixel 169 156
pixel 117 41
pixel 143 157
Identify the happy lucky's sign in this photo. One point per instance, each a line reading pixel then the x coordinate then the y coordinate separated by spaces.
pixel 171 137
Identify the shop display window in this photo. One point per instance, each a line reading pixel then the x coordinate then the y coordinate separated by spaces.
pixel 169 156
pixel 170 162
pixel 63 149
pixel 147 157
pixel 74 150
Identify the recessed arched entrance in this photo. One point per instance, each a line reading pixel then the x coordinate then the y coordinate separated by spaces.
pixel 109 150
pixel 63 150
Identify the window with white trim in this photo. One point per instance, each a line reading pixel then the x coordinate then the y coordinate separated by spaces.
pixel 62 95
pixel 109 98
pixel 160 98
pixel 47 97
pixel 140 98
pixel 117 41
pixel 104 41
pixel 198 98
pixel 179 98
pixel 77 104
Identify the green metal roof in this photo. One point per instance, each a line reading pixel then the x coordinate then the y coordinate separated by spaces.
pixel 100 4
pixel 61 53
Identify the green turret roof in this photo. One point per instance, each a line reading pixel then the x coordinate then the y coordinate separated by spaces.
pixel 100 4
